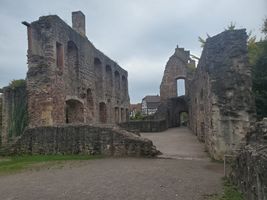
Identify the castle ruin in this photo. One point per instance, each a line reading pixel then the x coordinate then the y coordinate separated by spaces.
pixel 68 79
pixel 218 93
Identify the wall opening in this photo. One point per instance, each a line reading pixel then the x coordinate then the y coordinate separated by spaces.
pixel 117 83
pixel 127 114
pixel 59 52
pixel 90 104
pixel 124 86
pixel 73 64
pixel 98 76
pixel 74 111
pixel 180 85
pixel 102 112
pixel 116 110
pixel 122 115
pixel 109 82
pixel 183 119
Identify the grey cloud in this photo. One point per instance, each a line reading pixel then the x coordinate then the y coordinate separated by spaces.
pixel 139 35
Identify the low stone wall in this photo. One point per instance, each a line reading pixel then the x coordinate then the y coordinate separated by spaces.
pixel 82 139
pixel 249 169
pixel 145 125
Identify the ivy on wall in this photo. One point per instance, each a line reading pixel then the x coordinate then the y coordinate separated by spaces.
pixel 18 113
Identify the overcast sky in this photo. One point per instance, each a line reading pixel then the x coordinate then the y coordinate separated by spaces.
pixel 139 35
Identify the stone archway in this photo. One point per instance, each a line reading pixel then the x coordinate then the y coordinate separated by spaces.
pixel 74 111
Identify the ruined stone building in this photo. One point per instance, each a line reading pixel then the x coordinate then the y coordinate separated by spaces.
pixel 218 95
pixel 69 80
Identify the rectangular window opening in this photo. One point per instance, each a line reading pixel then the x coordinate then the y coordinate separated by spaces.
pixel 59 56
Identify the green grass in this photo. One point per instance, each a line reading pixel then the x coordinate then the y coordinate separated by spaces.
pixel 17 163
pixel 230 192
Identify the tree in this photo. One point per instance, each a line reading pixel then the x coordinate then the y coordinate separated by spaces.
pixel 230 27
pixel 258 59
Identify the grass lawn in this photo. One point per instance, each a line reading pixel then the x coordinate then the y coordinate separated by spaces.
pixel 18 163
pixel 230 192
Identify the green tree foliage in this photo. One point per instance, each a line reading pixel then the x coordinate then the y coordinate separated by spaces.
pixel 202 41
pixel 19 115
pixel 1 117
pixel 258 59
pixel 17 83
pixel 138 116
pixel 231 27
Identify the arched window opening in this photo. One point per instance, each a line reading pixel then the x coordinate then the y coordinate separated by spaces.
pixel 74 111
pixel 180 84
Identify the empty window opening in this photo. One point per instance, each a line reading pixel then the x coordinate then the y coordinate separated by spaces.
pixel 122 115
pixel 201 94
pixel 98 76
pixel 90 105
pixel 124 85
pixel 180 87
pixel 73 64
pixel 74 111
pixel 183 119
pixel 109 81
pixel 59 55
pixel 102 112
pixel 116 109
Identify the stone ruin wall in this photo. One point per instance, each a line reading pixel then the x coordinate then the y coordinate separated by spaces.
pixel 249 166
pixel 221 101
pixel 218 94
pixel 68 79
pixel 83 139
pixel 176 68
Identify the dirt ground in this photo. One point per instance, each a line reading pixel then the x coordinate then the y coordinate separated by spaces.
pixel 183 172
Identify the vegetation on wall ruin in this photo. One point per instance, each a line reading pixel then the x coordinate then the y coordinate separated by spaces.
pixel 19 116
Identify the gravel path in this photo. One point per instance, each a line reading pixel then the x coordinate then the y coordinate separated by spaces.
pixel 190 176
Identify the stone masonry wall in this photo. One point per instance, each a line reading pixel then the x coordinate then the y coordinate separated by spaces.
pixel 249 169
pixel 69 80
pixel 221 104
pixel 83 139
pixel 144 125
pixel 176 68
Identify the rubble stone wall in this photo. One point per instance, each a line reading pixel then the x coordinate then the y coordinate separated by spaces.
pixel 69 80
pixel 249 169
pixel 145 125
pixel 83 139
pixel 221 104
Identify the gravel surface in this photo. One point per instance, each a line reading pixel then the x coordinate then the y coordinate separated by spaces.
pixel 188 176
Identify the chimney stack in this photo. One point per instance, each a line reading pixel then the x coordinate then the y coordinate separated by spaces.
pixel 78 22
